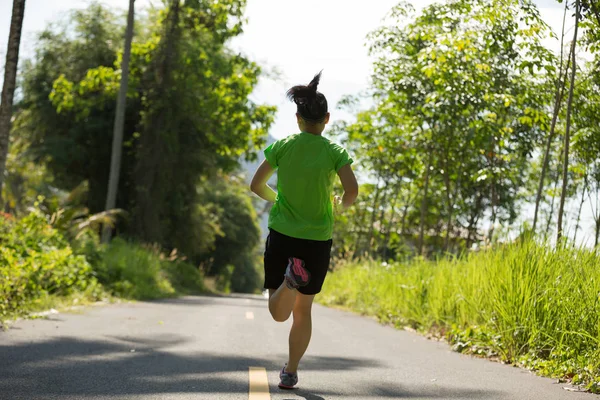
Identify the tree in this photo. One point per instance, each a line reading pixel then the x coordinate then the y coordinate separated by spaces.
pixel 560 88
pixel 586 141
pixel 197 117
pixel 235 249
pixel 71 134
pixel 472 79
pixel 10 77
pixel 188 116
pixel 565 176
pixel 115 165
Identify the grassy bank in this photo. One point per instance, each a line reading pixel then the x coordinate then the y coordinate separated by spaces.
pixel 40 269
pixel 520 303
pixel 133 271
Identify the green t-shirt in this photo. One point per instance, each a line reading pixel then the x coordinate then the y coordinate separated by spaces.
pixel 307 165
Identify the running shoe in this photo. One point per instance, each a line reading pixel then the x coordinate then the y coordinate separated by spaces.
pixel 287 379
pixel 296 274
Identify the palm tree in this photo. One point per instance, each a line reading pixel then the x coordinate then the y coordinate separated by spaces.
pixel 10 78
pixel 69 215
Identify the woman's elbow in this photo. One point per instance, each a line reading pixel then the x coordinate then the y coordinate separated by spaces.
pixel 254 187
pixel 353 192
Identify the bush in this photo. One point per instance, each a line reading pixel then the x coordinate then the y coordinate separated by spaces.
pixel 35 262
pixel 232 259
pixel 248 275
pixel 38 268
pixel 522 303
pixel 132 271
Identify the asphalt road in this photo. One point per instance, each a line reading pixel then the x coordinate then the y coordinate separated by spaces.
pixel 203 347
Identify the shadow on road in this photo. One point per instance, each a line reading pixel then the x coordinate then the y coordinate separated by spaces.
pixel 66 367
pixel 302 394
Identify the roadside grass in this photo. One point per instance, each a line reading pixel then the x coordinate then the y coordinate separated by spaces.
pixel 132 271
pixel 521 303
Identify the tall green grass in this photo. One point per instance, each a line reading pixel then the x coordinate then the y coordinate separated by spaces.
pixel 522 303
pixel 132 271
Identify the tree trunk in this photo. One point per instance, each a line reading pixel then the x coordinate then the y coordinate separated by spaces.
pixel 560 91
pixel 403 223
pixel 549 219
pixel 494 212
pixel 597 233
pixel 596 212
pixel 424 204
pixel 388 232
pixel 585 187
pixel 494 193
pixel 380 236
pixel 10 80
pixel 473 220
pixel 563 195
pixel 117 146
pixel 373 216
pixel 361 215
pixel 449 203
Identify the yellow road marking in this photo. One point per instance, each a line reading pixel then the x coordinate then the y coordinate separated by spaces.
pixel 249 315
pixel 259 384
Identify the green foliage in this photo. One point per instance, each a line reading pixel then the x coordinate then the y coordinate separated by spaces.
pixel 133 271
pixel 72 219
pixel 585 174
pixel 203 88
pixel 60 128
pixel 36 261
pixel 248 274
pixel 25 180
pixel 233 256
pixel 461 104
pixel 38 268
pixel 188 114
pixel 520 302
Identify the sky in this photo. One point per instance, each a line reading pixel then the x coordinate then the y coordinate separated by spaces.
pixel 293 39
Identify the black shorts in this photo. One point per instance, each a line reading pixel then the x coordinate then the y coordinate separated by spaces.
pixel 315 253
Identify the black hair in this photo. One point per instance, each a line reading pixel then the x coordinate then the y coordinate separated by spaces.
pixel 312 105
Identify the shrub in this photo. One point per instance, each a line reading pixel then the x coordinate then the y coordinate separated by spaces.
pixel 36 261
pixel 133 271
pixel 232 258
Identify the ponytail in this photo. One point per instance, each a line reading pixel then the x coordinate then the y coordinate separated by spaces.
pixel 300 92
pixel 312 105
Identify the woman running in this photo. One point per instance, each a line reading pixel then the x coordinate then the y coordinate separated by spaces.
pixel 298 247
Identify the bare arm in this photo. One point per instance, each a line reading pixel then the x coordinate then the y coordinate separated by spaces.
pixel 350 186
pixel 259 182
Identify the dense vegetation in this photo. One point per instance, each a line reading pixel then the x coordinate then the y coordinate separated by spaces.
pixel 519 303
pixel 464 97
pixel 36 261
pixel 188 123
pixel 40 268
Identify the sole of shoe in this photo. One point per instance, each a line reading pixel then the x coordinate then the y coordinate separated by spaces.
pixel 299 270
pixel 284 387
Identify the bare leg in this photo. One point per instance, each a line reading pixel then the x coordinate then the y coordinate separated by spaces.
pixel 301 330
pixel 281 302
